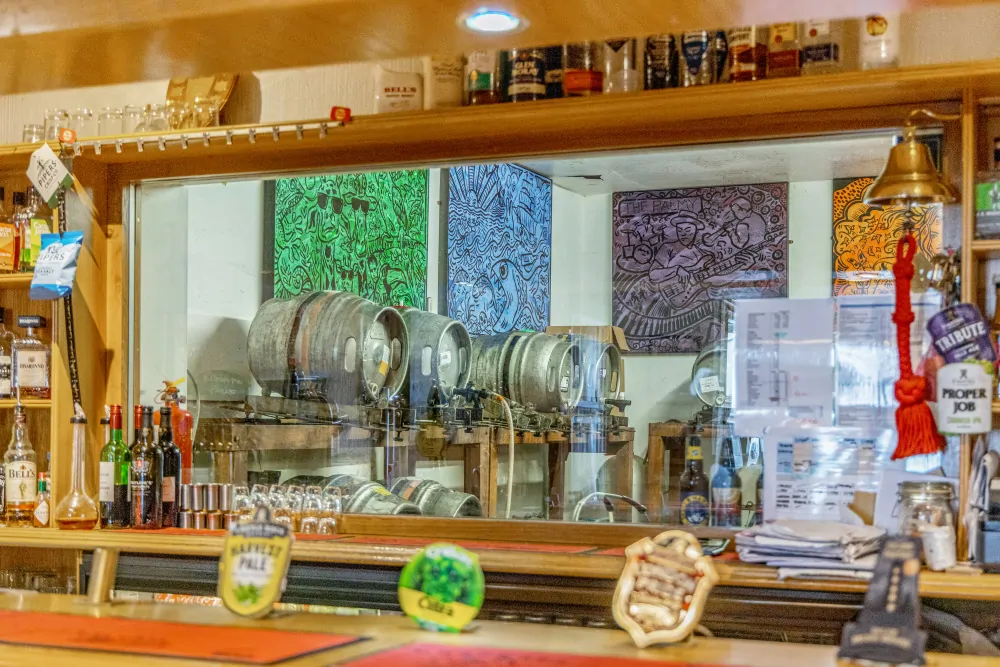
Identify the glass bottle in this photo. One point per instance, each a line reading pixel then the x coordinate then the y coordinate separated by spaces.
pixel 694 486
pixel 21 224
pixel 171 492
pixel 880 41
pixel 115 496
pixel 40 516
pixel 31 360
pixel 620 73
pixel 823 47
pixel 582 69
pixel 784 52
pixel 696 58
pixel 720 56
pixel 77 511
pixel 553 71
pixel 6 362
pixel 661 62
pixel 482 85
pixel 10 240
pixel 726 491
pixel 39 218
pixel 747 53
pixel 146 477
pixel 526 80
pixel 21 487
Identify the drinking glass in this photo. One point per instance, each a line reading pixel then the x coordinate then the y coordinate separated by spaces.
pixel 33 134
pixel 294 496
pixel 154 119
pixel 280 508
pixel 312 510
pixel 258 497
pixel 55 119
pixel 332 509
pixel 132 118
pixel 83 122
pixel 178 114
pixel 242 504
pixel 111 122
pixel 204 113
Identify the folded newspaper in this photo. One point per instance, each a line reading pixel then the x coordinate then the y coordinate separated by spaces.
pixel 811 545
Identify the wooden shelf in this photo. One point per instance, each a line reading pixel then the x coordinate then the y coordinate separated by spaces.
pixel 986 249
pixel 15 280
pixel 30 403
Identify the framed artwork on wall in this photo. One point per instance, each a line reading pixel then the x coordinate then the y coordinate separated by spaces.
pixel 499 248
pixel 362 233
pixel 678 255
pixel 865 237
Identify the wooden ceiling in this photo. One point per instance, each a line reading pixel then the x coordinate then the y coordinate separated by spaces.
pixel 50 44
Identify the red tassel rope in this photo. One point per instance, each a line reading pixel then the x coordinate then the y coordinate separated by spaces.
pixel 918 432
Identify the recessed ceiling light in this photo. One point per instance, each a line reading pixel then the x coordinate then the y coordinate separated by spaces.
pixel 492 20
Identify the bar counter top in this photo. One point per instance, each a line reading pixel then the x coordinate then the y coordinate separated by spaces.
pixel 387 632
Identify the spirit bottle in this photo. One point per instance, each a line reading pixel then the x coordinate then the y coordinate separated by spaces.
pixel 697 61
pixel 526 80
pixel 482 85
pixel 21 487
pixel 10 240
pixel 116 509
pixel 146 477
pixel 31 360
pixel 40 515
pixel 661 62
pixel 6 364
pixel 620 73
pixel 747 53
pixel 21 222
pixel 170 495
pixel 39 220
pixel 880 41
pixel 694 486
pixel 784 55
pixel 76 511
pixel 583 64
pixel 824 46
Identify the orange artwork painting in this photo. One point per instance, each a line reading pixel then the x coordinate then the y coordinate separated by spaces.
pixel 865 237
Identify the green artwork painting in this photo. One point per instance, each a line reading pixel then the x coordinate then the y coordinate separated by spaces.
pixel 361 233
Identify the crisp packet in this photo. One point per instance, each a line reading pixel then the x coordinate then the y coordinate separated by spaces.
pixel 959 333
pixel 55 269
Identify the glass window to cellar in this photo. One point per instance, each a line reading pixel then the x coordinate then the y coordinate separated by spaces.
pixel 390 334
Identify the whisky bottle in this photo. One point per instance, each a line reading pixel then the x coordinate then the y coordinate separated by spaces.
pixel 39 220
pixel 482 83
pixel 10 240
pixel 146 477
pixel 21 487
pixel 726 491
pixel 583 73
pixel 697 62
pixel 620 72
pixel 747 53
pixel 31 360
pixel 784 53
pixel 170 494
pixel 824 47
pixel 526 79
pixel 661 62
pixel 116 510
pixel 6 363
pixel 40 515
pixel 880 41
pixel 694 486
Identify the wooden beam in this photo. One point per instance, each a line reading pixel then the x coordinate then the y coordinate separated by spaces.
pixel 45 45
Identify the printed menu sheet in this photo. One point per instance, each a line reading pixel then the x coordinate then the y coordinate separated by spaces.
pixel 784 363
pixel 812 473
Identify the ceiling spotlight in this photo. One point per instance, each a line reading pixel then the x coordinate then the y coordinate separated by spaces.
pixel 492 20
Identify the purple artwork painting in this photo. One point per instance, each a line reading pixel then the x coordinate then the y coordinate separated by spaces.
pixel 678 253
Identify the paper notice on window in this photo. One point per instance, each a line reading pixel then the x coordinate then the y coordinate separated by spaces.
pixel 784 364
pixel 867 360
pixel 813 473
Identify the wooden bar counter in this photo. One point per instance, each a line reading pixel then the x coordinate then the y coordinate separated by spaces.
pixel 387 632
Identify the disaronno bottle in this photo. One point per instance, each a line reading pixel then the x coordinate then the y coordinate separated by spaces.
pixel 21 486
pixel 31 360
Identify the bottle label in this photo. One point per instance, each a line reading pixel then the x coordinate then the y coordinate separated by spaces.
pixel 695 48
pixel 168 495
pixel 107 482
pixel 693 452
pixel 577 81
pixel 726 507
pixel 817 28
pixel 783 33
pixel 694 509
pixel 42 513
pixel 527 74
pixel 32 368
pixel 5 376
pixel 745 36
pixel 479 71
pixel 21 484
pixel 880 39
pixel 821 53
pixel 783 60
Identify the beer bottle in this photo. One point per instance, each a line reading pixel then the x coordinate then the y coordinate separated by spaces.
pixel 694 486
pixel 726 490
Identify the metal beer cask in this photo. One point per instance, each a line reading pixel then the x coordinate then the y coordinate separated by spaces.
pixel 440 352
pixel 435 499
pixel 602 369
pixel 347 348
pixel 362 496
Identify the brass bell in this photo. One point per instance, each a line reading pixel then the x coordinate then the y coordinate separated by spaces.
pixel 909 176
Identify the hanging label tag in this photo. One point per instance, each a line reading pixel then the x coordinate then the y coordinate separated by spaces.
pixel 253 566
pixel 964 399
pixel 442 588
pixel 48 174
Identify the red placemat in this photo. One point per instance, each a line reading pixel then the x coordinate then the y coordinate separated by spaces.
pixel 473 545
pixel 251 646
pixel 220 533
pixel 435 655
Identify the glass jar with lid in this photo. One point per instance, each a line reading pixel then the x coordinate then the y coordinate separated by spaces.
pixel 926 512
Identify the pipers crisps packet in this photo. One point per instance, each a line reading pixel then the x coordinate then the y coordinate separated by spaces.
pixel 55 270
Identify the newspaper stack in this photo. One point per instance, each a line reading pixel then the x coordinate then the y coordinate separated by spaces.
pixel 812 549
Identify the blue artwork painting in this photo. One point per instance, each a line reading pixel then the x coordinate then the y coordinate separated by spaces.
pixel 499 248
